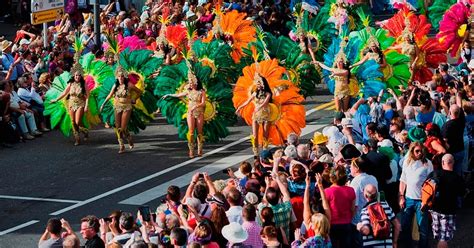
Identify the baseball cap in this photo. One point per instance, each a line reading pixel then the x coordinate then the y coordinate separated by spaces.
pixel 347 122
pixel 24 42
pixel 326 158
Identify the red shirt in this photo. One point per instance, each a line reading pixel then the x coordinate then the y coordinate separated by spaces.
pixel 340 200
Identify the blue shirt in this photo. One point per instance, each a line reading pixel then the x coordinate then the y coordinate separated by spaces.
pixel 7 61
pixel 425 117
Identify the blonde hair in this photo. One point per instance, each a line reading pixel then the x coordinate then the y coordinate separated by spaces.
pixel 411 156
pixel 320 225
pixel 44 76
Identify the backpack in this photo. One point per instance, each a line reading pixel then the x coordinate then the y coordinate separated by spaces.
pixel 429 191
pixel 381 227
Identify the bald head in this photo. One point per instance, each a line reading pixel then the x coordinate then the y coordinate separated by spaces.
pixel 370 192
pixel 455 111
pixel 448 162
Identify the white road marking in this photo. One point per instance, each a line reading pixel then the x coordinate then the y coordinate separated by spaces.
pixel 144 179
pixel 129 185
pixel 212 168
pixel 15 228
pixel 12 197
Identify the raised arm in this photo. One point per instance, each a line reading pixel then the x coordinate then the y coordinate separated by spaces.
pixel 360 62
pixel 283 189
pixel 65 92
pixel 306 202
pixel 326 207
pixel 210 185
pixel 190 189
pixel 356 106
pixel 325 67
pixel 245 103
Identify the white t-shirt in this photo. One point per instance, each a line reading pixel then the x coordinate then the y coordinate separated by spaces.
pixel 358 184
pixel 413 175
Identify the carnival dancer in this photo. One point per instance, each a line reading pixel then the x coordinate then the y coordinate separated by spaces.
pixel 196 102
pixel 409 47
pixel 341 74
pixel 78 99
pixel 123 102
pixel 373 52
pixel 262 97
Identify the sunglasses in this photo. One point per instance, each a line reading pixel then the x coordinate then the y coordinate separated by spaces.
pixel 417 151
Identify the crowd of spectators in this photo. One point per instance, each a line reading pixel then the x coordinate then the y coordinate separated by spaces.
pixel 317 194
pixel 299 195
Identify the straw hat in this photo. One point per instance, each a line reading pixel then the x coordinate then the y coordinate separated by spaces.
pixel 319 138
pixel 5 44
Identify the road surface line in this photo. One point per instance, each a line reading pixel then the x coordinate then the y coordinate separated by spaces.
pixel 332 107
pixel 144 179
pixel 323 106
pixel 215 167
pixel 15 228
pixel 12 197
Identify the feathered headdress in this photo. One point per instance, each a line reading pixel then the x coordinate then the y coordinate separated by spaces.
pixel 77 67
pixel 407 33
pixel 256 78
pixel 372 39
pixel 191 77
pixel 341 55
pixel 121 70
pixel 78 47
pixel 164 20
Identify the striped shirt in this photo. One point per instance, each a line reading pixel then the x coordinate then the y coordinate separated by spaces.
pixel 369 241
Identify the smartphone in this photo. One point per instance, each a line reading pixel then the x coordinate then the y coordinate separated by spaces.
pixel 145 212
pixel 311 174
pixel 225 171
pixel 163 201
pixel 201 175
pixel 153 216
pixel 107 219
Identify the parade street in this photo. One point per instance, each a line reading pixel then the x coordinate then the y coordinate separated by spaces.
pixel 52 178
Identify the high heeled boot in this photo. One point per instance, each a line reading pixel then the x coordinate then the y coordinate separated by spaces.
pixel 254 146
pixel 191 144
pixel 265 143
pixel 128 136
pixel 118 132
pixel 84 131
pixel 200 143
pixel 75 131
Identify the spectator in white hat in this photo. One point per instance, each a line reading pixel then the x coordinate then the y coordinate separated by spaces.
pixel 235 234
